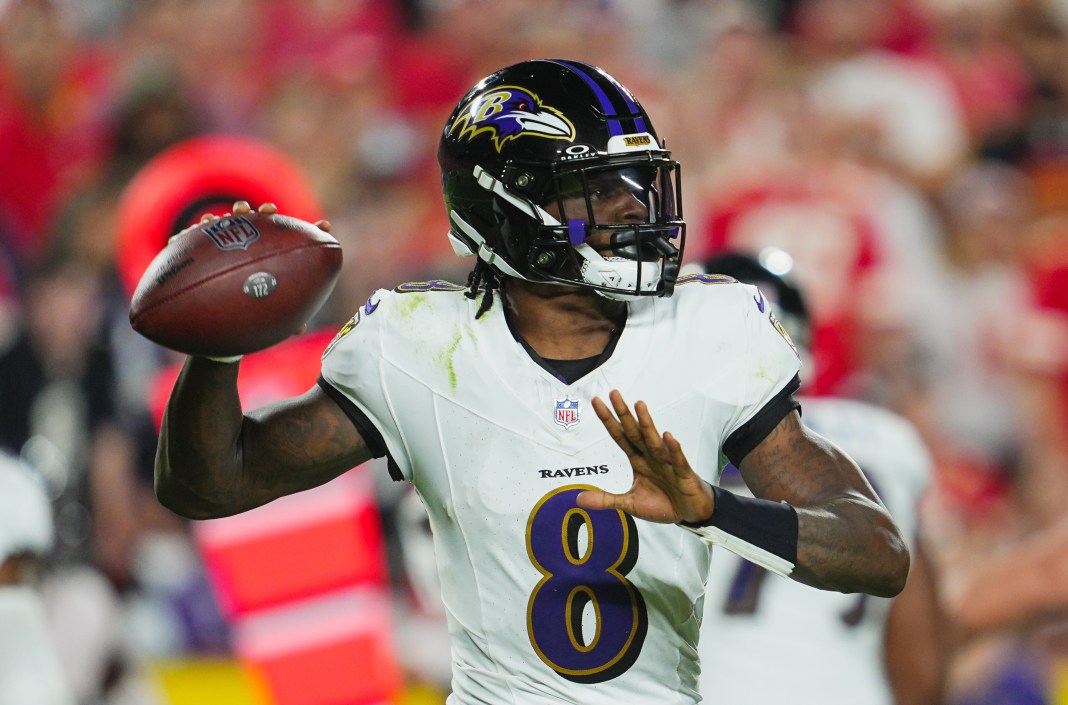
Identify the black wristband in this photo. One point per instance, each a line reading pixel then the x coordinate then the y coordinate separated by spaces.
pixel 769 525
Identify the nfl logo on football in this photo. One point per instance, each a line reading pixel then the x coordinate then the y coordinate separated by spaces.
pixel 567 412
pixel 233 233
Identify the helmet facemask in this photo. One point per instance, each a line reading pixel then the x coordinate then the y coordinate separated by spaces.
pixel 561 232
pixel 618 228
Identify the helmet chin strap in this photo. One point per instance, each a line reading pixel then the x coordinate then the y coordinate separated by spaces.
pixel 617 273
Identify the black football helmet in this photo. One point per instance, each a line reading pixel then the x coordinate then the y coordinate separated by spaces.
pixel 545 134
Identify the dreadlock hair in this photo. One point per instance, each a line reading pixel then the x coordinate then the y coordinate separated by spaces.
pixel 482 277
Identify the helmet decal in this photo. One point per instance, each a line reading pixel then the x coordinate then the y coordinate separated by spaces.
pixel 506 113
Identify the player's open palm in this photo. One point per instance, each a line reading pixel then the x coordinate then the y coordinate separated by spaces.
pixel 665 488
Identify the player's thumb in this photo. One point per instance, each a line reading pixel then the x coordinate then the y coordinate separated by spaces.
pixel 599 499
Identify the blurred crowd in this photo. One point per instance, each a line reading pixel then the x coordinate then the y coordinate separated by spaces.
pixel 909 156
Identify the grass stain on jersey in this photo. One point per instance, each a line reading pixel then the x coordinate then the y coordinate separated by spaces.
pixel 763 374
pixel 447 359
pixel 407 304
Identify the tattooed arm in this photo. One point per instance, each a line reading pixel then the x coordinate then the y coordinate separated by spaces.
pixel 214 461
pixel 846 540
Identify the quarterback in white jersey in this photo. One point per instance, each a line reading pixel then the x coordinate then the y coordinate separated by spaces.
pixel 498 448
pixel 571 534
pixel 818 647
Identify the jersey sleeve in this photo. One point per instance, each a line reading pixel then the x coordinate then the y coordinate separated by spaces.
pixel 767 373
pixel 353 376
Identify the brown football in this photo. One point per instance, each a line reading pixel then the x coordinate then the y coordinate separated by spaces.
pixel 235 285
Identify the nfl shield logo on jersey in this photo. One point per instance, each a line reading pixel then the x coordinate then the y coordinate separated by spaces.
pixel 567 412
pixel 233 233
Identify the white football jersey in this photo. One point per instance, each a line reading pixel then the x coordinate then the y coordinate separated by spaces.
pixel 547 602
pixel 767 639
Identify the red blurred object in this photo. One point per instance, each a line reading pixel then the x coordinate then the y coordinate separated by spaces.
pixel 198 176
pixel 51 143
pixel 333 651
pixel 303 580
pixel 307 544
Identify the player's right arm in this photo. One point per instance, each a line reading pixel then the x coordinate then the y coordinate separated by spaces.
pixel 213 461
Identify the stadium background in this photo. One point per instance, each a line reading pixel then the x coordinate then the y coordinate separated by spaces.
pixel 910 155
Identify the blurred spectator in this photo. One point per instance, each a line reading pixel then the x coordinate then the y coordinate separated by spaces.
pixel 58 383
pixel 1040 354
pixel 974 412
pixel 995 424
pixel 972 43
pixel 896 110
pixel 1019 586
pixel 30 672
pixel 53 93
pixel 153 111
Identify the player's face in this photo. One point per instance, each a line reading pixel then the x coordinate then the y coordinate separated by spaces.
pixel 616 196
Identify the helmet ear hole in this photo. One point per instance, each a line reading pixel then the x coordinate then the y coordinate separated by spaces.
pixel 521 182
pixel 542 258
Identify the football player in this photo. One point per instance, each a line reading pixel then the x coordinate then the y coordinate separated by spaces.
pixel 571 534
pixel 818 647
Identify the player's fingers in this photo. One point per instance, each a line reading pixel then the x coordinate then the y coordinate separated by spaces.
pixel 242 208
pixel 650 436
pixel 267 208
pixel 675 455
pixel 626 419
pixel 323 225
pixel 611 424
pixel 302 330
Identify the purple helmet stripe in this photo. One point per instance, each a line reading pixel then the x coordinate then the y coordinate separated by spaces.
pixel 615 127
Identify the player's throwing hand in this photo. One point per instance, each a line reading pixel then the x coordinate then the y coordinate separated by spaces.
pixel 665 488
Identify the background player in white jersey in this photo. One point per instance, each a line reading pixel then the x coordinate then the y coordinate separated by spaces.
pixel 569 557
pixel 818 647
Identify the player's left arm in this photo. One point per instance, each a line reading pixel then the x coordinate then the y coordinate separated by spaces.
pixel 815 518
pixel 846 540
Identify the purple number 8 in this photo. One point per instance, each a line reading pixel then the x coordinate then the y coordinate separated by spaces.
pixel 584 578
